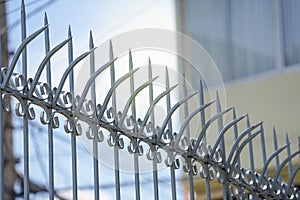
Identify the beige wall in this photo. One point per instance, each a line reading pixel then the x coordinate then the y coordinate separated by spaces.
pixel 272 98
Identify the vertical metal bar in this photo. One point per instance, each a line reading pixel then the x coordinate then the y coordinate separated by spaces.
pixel 250 146
pixel 155 179
pixel 135 155
pixel 299 145
pixel 114 105
pixel 1 131
pixel 73 134
pixel 191 179
pixel 95 144
pixel 202 116
pixel 25 118
pixel 235 132
pixel 220 123
pixel 263 147
pixel 186 113
pixel 117 173
pixel 222 143
pixel 154 164
pixel 186 110
pixel 50 130
pixel 275 149
pixel 136 177
pixel 172 167
pixel 290 169
pixel 202 113
pixel 150 89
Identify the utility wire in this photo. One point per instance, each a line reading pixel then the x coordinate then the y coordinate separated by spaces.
pixel 29 4
pixel 31 14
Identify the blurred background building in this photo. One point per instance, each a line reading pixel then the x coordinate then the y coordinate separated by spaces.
pixel 256 46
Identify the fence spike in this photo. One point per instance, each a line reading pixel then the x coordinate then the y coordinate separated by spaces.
pixel 23 32
pixel 288 159
pixel 20 49
pixel 188 119
pixel 90 81
pixel 43 64
pixel 275 148
pixel 186 111
pixel 132 98
pixel 93 97
pixel 151 107
pixel 208 123
pixel 235 132
pixel 243 145
pixel 133 107
pixel 168 103
pixel 169 114
pixel 170 128
pixel 263 147
pixel 113 88
pixel 292 177
pixel 91 41
pixel 250 147
pixel 288 154
pixel 26 188
pixel 133 112
pixel 223 131
pixel 235 146
pixel 201 101
pixel 220 124
pixel 150 89
pixel 47 50
pixel 112 74
pixel 267 162
pixel 50 130
pixel 67 73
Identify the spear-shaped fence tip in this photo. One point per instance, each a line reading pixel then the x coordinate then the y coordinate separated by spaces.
pixel 91 40
pixel 111 52
pixel 22 5
pixel 69 32
pixel 45 19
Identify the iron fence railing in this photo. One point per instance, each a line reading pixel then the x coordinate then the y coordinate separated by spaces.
pixel 196 157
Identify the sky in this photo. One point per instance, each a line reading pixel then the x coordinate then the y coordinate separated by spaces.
pixel 106 19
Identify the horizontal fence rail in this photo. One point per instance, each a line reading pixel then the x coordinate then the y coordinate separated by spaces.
pixel 193 155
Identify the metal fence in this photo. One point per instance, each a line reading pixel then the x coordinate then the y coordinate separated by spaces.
pixel 196 157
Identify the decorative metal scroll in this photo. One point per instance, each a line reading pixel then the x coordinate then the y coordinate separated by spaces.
pixel 193 155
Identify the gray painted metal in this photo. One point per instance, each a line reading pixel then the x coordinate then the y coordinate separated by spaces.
pixel 215 164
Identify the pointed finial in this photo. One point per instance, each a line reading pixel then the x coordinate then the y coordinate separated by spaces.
pixel 22 6
pixel 218 103
pixel 287 138
pixel 23 19
pixel 274 131
pixel 130 60
pixel 91 43
pixel 167 78
pixel 45 19
pixel 275 138
pixel 111 53
pixel 233 113
pixel 69 31
pixel 201 90
pixel 149 69
pixel 248 121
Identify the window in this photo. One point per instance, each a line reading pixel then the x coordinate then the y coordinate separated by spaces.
pixel 244 37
